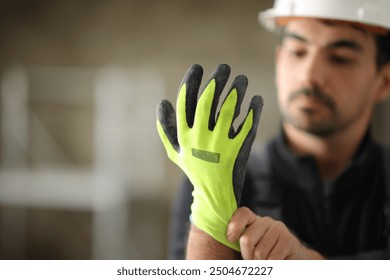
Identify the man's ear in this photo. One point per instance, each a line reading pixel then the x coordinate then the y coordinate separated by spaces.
pixel 384 86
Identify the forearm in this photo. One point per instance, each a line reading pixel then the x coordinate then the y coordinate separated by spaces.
pixel 201 246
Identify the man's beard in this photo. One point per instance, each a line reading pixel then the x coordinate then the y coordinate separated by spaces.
pixel 321 128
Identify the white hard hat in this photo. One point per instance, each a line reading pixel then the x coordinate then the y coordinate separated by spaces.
pixel 371 13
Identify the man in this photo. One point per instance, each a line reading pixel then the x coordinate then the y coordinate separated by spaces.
pixel 318 190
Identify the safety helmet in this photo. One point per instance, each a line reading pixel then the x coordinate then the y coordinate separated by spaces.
pixel 372 14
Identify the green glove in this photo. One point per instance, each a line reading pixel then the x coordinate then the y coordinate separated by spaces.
pixel 207 148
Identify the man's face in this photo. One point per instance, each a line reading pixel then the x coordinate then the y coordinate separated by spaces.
pixel 326 76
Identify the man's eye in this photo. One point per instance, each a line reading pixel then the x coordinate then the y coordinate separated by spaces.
pixel 341 60
pixel 297 53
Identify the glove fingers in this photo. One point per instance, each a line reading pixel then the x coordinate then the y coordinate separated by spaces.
pixel 208 102
pixel 166 126
pixel 247 133
pixel 249 126
pixel 240 84
pixel 188 95
pixel 256 105
pixel 230 108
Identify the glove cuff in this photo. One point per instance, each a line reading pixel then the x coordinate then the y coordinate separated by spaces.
pixel 213 225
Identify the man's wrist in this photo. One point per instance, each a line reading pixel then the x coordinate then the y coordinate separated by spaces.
pixel 202 246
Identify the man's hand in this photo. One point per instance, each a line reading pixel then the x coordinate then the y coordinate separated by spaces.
pixel 204 143
pixel 262 238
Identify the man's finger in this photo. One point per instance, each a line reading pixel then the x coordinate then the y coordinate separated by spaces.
pixel 242 218
pixel 251 239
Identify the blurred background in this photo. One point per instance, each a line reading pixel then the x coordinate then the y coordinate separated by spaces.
pixel 83 174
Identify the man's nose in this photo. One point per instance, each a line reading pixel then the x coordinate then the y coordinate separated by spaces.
pixel 313 71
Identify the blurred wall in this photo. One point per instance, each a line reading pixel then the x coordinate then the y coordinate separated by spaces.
pixel 84 78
